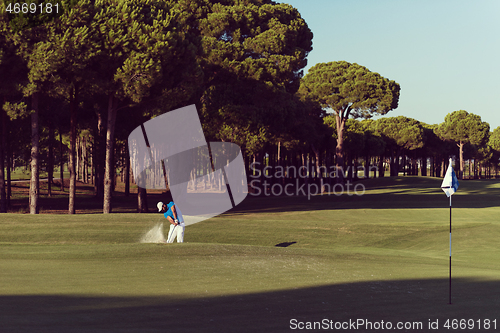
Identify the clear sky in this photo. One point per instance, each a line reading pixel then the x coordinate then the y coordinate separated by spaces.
pixel 445 54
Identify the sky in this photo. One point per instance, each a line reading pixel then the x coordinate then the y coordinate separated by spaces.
pixel 445 54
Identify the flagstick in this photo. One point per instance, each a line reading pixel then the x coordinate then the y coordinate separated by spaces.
pixel 450 249
pixel 450 186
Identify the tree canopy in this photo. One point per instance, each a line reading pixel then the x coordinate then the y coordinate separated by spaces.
pixel 404 132
pixel 106 64
pixel 494 141
pixel 462 128
pixel 349 90
pixel 252 56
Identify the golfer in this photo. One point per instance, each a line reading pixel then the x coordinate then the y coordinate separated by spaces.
pixel 173 214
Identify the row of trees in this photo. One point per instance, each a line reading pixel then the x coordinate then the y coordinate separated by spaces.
pixel 99 69
pixel 400 144
pixel 107 66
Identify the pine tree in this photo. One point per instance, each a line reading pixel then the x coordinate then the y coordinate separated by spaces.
pixel 463 127
pixel 349 90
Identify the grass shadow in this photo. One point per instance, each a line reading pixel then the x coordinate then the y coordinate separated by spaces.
pixel 285 244
pixel 406 301
pixel 385 193
pixel 378 193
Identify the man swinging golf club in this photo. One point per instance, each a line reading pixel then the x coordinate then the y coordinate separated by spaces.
pixel 173 214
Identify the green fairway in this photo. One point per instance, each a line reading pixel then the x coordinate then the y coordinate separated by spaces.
pixel 380 256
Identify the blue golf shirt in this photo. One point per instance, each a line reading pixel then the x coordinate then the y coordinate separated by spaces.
pixel 171 214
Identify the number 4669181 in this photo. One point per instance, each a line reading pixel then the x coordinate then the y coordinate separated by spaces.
pixel 485 324
pixel 32 8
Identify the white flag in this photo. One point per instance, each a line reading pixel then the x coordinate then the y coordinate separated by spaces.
pixel 450 181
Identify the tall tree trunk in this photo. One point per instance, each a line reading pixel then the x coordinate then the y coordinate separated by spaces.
pixel 348 163
pixel 328 169
pixel 355 168
pixel 405 166
pixel 61 157
pixel 9 168
pixel 83 158
pixel 81 167
pixel 77 157
pixel 423 168
pixel 113 172
pixel 319 174
pixel 91 162
pixel 339 150
pixel 85 161
pixel 392 164
pixel 396 162
pixel 72 152
pixel 367 167
pixel 461 146
pixel 142 200
pixel 50 162
pixel 109 167
pixel 99 152
pixel 381 171
pixel 304 167
pixel 3 146
pixel 279 154
pixel 35 148
pixel 127 170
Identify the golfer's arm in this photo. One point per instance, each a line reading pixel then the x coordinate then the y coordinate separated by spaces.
pixel 171 220
pixel 174 212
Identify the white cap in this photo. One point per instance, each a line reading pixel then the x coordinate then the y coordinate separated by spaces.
pixel 160 206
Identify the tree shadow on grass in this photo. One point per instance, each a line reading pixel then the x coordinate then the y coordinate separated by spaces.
pixel 87 204
pixel 407 301
pixel 380 193
pixel 389 193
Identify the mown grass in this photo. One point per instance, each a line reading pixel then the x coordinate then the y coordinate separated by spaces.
pixel 379 256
